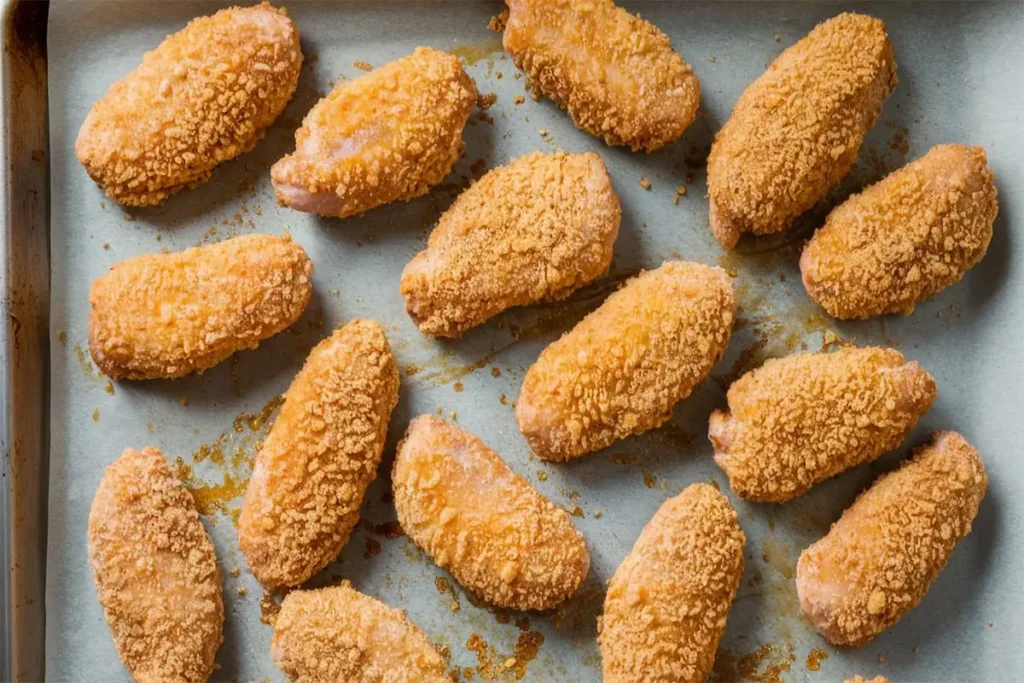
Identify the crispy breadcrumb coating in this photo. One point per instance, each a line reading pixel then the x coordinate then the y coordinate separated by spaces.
pixel 905 238
pixel 615 73
pixel 156 572
pixel 666 605
pixel 796 130
pixel 878 561
pixel 167 315
pixel 534 230
pixel 623 368
pixel 796 421
pixel 383 137
pixel 861 679
pixel 337 634
pixel 207 94
pixel 497 535
pixel 322 452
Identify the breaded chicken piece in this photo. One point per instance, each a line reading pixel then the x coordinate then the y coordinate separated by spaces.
pixel 383 137
pixel 497 535
pixel 337 634
pixel 156 572
pixel 167 315
pixel 795 132
pixel 207 94
pixel 861 679
pixel 878 561
pixel 623 368
pixel 535 230
pixel 616 74
pixel 799 420
pixel 905 238
pixel 666 605
pixel 322 452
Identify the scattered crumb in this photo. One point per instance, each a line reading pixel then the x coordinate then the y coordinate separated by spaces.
pixel 106 245
pixel 777 37
pixel 510 662
pixel 712 59
pixel 458 387
pixel 989 625
pixel 63 336
pixel 542 475
pixel 241 591
pixel 535 96
pixel 495 372
pixel 486 100
pixel 881 659
pixel 497 22
pixel 645 183
pixel 681 190
pixel 597 513
pixel 362 66
pixel 498 75
pixel 518 99
pixel 96 415
pixel 453 416
pixel 543 132
pixel 235 571
pixel 109 388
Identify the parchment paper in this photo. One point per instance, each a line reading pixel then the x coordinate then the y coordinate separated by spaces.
pixel 960 70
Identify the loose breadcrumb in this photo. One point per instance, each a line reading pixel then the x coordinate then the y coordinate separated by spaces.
pixel 156 572
pixel 622 369
pixel 534 230
pixel 310 476
pixel 666 605
pixel 167 315
pixel 796 130
pixel 338 634
pixel 799 420
pixel 878 561
pixel 497 535
pixel 645 183
pixel 518 99
pixel 386 136
pixel 615 73
pixel 905 238
pixel 207 94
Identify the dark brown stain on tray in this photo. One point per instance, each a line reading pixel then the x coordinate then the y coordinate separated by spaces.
pixel 764 665
pixel 814 659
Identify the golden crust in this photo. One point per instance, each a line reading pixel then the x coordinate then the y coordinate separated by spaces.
pixel 534 230
pixel 497 535
pixel 615 73
pixel 878 561
pixel 156 571
pixel 796 421
pixel 621 370
pixel 796 130
pixel 386 136
pixel 310 476
pixel 167 315
pixel 667 603
pixel 905 238
pixel 207 94
pixel 338 634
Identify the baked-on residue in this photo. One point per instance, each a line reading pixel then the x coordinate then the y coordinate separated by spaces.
pixel 904 238
pixel 167 315
pixel 386 136
pixel 337 634
pixel 615 73
pixel 156 572
pixel 799 420
pixel 207 94
pixel 667 603
pixel 497 535
pixel 310 476
pixel 796 130
pixel 623 368
pixel 534 230
pixel 878 561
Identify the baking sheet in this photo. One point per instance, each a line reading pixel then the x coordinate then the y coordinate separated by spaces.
pixel 961 68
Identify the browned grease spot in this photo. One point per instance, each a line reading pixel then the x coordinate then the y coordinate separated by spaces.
pixel 211 498
pixel 472 53
pixel 256 421
pixel 766 664
pixel 815 657
pixel 495 372
pixel 85 363
pixel 622 458
pixel 372 548
pixel 390 530
pixel 458 387
pixel 776 554
pixel 493 666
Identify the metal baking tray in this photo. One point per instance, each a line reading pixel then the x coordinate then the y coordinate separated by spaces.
pixel 961 68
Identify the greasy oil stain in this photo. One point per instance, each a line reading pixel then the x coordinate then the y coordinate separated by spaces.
pixel 471 53
pixel 764 665
pixel 389 530
pixel 778 555
pixel 814 659
pixel 649 480
pixel 372 548
pixel 494 666
pixel 256 421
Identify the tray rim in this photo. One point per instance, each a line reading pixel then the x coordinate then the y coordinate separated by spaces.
pixel 24 338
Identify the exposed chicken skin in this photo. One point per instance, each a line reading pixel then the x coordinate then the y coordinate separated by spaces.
pixel 207 94
pixel 666 605
pixel 623 368
pixel 386 136
pixel 796 130
pixel 905 238
pixel 534 230
pixel 337 634
pixel 878 561
pixel 496 534
pixel 156 572
pixel 615 73
pixel 796 421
